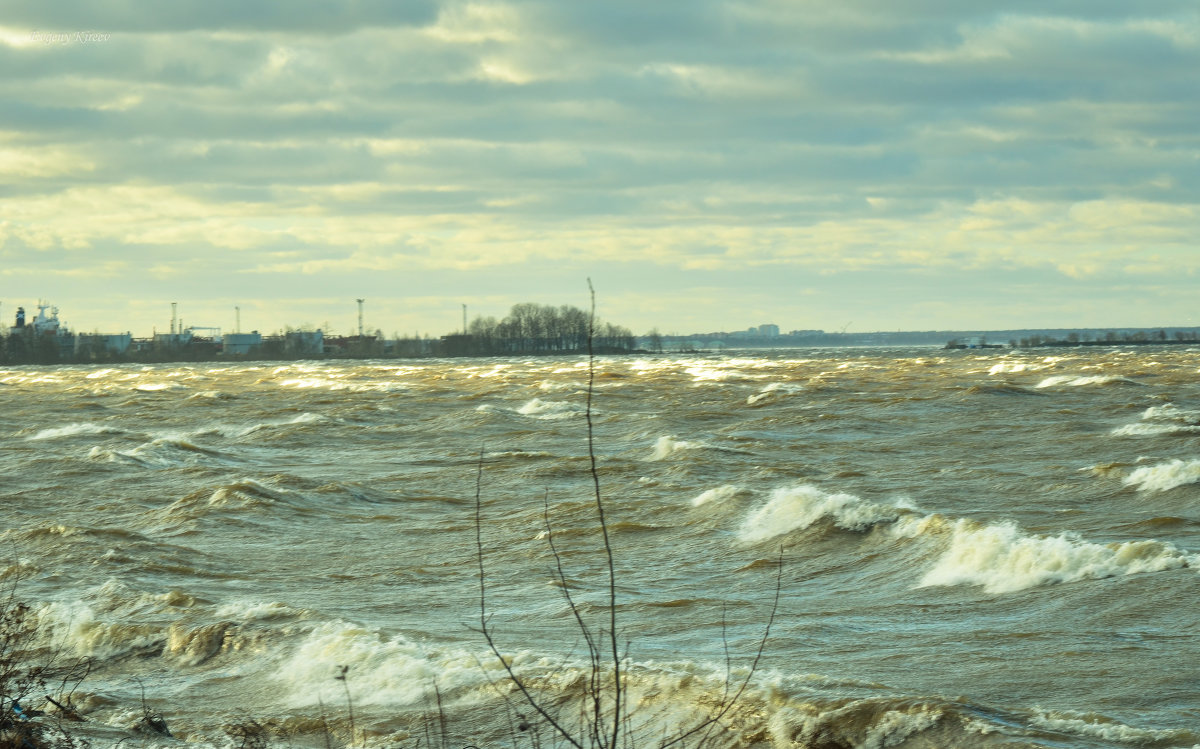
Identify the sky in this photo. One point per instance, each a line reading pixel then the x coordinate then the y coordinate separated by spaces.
pixel 710 165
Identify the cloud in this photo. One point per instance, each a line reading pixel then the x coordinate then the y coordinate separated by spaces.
pixel 302 141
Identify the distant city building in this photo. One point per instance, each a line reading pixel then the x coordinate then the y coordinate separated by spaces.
pixel 768 331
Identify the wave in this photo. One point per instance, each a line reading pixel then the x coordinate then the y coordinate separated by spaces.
pixel 1164 419
pixel 798 507
pixel 387 671
pixel 773 392
pixel 81 629
pixel 865 723
pixel 1085 380
pixel 1001 559
pixel 540 409
pixel 1141 430
pixel 158 387
pixel 1013 367
pixel 1164 476
pixel 74 430
pixel 718 495
pixel 667 446
pixel 164 452
pixel 1093 726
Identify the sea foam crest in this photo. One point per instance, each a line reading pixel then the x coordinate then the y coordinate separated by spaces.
pixel 73 430
pixel 1164 476
pixel 548 410
pixel 798 507
pixel 1164 419
pixel 1002 559
pixel 383 670
pixel 76 627
pixel 666 446
pixel 1010 367
pixel 720 494
pixel 1082 380
pixel 1093 726
pixel 773 391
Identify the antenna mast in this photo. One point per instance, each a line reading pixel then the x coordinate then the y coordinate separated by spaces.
pixel 360 319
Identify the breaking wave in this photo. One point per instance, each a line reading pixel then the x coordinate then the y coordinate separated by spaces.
pixel 74 430
pixel 1001 559
pixel 667 446
pixel 718 495
pixel 1164 419
pixel 1164 476
pixel 798 507
pixel 1084 380
pixel 773 392
pixel 550 410
pixel 1092 726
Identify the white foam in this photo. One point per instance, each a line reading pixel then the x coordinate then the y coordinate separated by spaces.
pixel 255 611
pixel 73 430
pixel 156 387
pixel 1010 367
pixel 1001 559
pixel 895 726
pixel 666 446
pixel 1170 412
pixel 798 507
pixel 540 409
pixel 1140 430
pixel 1106 729
pixel 773 391
pixel 720 494
pixel 1080 381
pixel 1164 476
pixel 382 670
pixel 1165 419
pixel 75 627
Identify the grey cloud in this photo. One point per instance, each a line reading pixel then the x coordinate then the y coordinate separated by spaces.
pixel 309 16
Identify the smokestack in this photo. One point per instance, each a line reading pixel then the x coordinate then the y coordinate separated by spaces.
pixel 360 324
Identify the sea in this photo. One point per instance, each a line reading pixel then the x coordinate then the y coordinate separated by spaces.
pixel 886 548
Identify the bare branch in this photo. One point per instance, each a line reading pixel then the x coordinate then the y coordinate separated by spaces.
pixel 486 631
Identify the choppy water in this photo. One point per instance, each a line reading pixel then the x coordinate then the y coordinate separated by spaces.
pixel 979 549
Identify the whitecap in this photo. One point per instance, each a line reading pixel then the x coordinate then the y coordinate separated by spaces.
pixel 381 670
pixel 773 391
pixel 1082 380
pixel 73 430
pixel 798 507
pixel 1164 476
pixel 1092 726
pixel 667 446
pixel 720 494
pixel 1002 559
pixel 540 409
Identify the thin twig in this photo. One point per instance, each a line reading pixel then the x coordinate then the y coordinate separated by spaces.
pixel 486 631
pixel 707 724
pixel 612 574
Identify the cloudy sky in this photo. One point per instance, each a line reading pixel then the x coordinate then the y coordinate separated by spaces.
pixel 709 164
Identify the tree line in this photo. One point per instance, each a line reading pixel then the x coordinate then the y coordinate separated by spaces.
pixel 541 329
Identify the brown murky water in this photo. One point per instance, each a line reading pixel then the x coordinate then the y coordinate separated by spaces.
pixel 979 548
